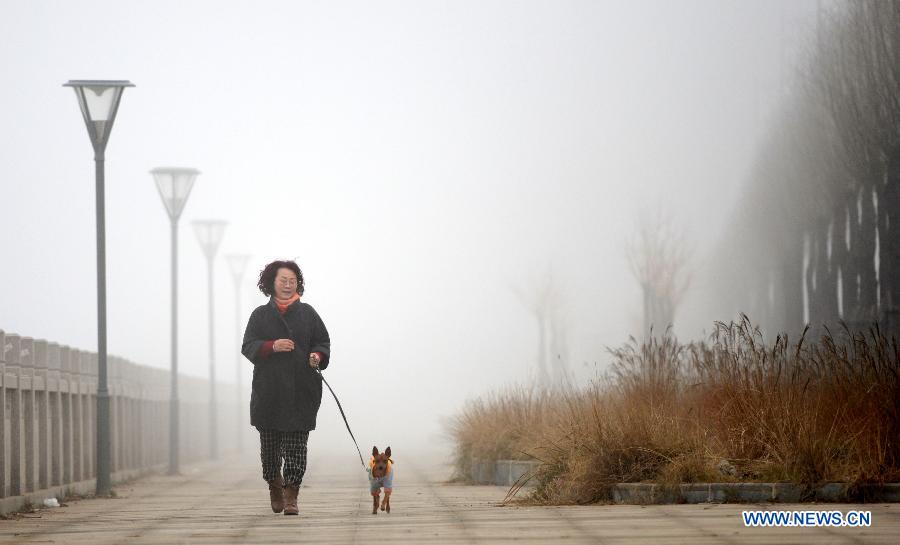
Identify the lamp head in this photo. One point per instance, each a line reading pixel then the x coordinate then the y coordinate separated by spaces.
pixel 99 102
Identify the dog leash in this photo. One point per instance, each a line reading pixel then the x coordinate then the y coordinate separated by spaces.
pixel 344 416
pixel 291 334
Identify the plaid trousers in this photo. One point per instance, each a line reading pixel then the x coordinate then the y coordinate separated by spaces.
pixel 290 446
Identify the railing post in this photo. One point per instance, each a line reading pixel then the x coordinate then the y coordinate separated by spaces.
pixel 140 423
pixel 122 421
pixel 116 424
pixel 78 432
pixel 151 416
pixel 16 426
pixel 134 421
pixel 186 431
pixel 140 376
pixel 66 423
pixel 162 414
pixel 4 421
pixel 30 425
pixel 126 425
pixel 114 395
pixel 41 406
pixel 90 415
pixel 123 417
pixel 54 404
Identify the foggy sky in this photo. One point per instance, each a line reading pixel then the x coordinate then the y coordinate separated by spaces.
pixel 420 160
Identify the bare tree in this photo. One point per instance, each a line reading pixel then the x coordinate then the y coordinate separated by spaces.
pixel 544 302
pixel 658 257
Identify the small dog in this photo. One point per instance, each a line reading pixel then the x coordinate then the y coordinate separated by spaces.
pixel 381 475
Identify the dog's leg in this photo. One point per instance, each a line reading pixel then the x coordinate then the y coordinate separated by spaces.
pixel 375 496
pixel 386 504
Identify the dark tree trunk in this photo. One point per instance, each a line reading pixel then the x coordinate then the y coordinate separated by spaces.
pixel 645 289
pixel 889 212
pixel 851 264
pixel 839 259
pixel 790 293
pixel 778 302
pixel 828 278
pixel 815 276
pixel 864 257
pixel 770 322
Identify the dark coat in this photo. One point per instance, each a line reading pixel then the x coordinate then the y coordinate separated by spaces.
pixel 286 391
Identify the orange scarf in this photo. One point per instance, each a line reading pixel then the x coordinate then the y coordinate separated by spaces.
pixel 283 304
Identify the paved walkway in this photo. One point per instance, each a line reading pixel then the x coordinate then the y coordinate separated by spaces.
pixel 228 503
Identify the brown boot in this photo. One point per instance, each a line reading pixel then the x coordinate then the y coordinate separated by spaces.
pixel 276 494
pixel 290 499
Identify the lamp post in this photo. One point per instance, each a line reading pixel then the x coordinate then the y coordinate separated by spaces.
pixel 174 185
pixel 209 234
pixel 237 263
pixel 99 102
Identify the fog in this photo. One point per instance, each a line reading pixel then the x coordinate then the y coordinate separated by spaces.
pixel 430 165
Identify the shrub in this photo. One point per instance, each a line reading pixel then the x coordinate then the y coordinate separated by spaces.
pixel 730 408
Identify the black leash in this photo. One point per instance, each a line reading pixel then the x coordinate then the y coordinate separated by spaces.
pixel 291 335
pixel 345 419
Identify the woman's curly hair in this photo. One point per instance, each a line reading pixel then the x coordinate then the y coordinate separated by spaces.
pixel 267 276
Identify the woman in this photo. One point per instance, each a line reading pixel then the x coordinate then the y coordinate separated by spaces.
pixel 286 341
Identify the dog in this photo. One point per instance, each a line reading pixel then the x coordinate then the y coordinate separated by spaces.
pixel 381 475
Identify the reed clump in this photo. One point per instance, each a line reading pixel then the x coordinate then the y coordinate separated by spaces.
pixel 728 409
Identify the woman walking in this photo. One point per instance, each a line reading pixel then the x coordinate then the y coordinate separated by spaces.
pixel 286 341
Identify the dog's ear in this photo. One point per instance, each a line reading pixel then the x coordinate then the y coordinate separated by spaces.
pixel 388 452
pixel 374 451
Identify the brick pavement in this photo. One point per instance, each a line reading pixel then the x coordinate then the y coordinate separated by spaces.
pixel 228 503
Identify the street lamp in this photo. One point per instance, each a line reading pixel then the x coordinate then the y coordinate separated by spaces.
pixel 209 234
pixel 99 102
pixel 174 185
pixel 237 263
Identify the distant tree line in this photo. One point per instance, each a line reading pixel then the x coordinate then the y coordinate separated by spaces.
pixel 816 236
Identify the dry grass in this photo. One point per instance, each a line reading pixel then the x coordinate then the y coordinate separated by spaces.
pixel 728 409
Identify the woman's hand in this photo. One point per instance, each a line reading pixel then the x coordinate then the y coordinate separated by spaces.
pixel 314 360
pixel 283 345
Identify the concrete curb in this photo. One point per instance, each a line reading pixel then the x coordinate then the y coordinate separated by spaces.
pixel 500 472
pixel 508 472
pixel 643 493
